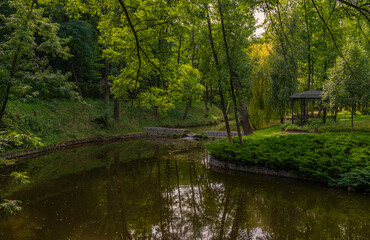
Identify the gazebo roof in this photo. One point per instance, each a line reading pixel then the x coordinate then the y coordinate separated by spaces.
pixel 307 94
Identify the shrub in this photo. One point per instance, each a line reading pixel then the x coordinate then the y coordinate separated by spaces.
pixel 356 178
pixel 325 156
pixel 104 120
pixel 11 140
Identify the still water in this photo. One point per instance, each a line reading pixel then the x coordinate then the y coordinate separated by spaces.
pixel 164 189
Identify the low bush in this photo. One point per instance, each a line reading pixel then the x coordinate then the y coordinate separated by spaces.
pixel 310 126
pixel 12 140
pixel 356 178
pixel 326 156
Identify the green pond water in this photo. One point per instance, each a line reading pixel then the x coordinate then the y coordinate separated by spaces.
pixel 164 189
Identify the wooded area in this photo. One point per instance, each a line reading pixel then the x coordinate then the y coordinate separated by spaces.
pixel 76 72
pixel 154 54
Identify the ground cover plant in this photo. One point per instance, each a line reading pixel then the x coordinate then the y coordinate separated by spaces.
pixel 338 158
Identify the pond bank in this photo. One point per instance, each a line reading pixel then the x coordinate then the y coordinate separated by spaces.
pixel 339 159
pixel 73 144
pixel 228 166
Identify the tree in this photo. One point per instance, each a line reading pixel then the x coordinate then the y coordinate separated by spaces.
pixel 31 40
pixel 84 63
pixel 10 140
pixel 349 86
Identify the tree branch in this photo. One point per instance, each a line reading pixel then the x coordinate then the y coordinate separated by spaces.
pixel 332 37
pixel 136 40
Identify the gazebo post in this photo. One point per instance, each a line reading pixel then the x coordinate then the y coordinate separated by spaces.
pixel 292 110
pixel 311 95
pixel 304 111
pixel 301 112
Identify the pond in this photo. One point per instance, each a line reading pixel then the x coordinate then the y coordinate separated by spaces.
pixel 163 189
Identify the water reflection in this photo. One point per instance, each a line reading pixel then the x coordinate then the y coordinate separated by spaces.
pixel 161 189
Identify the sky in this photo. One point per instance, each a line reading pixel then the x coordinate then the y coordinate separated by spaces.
pixel 260 17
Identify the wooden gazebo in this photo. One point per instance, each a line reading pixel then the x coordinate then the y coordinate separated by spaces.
pixel 304 98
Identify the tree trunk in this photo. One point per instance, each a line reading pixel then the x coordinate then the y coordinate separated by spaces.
pixel 76 79
pixel 186 110
pixel 122 208
pixel 194 45
pixel 106 83
pixel 13 70
pixel 116 109
pixel 352 119
pixel 239 216
pixel 244 117
pixel 7 91
pixel 179 51
pixel 231 75
pixel 223 218
pixel 116 100
pixel 211 96
pixel 308 47
pixel 6 98
pixel 223 106
pixel 206 98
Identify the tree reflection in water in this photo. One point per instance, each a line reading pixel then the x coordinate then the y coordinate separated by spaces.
pixel 161 189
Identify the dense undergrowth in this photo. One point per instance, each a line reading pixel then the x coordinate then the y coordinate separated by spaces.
pixel 337 158
pixel 61 120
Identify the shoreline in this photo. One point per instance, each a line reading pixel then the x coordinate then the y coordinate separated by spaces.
pixel 227 166
pixel 22 154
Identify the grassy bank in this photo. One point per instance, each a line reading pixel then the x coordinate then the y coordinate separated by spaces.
pixel 337 158
pixel 343 124
pixel 57 121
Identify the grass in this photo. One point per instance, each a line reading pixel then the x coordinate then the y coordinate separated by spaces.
pixel 361 123
pixel 56 121
pixel 343 124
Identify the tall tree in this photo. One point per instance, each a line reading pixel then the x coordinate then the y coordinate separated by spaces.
pixel 20 50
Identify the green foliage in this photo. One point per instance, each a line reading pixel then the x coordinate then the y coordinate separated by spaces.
pixel 20 178
pixel 10 140
pixel 104 120
pixel 11 207
pixel 310 126
pixel 47 84
pixel 362 125
pixel 57 120
pixel 348 84
pixel 358 178
pixel 84 48
pixel 324 156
